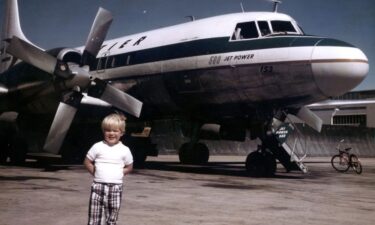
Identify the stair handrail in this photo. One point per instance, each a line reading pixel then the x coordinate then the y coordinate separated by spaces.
pixel 298 138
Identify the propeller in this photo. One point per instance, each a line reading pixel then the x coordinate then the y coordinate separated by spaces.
pixel 76 78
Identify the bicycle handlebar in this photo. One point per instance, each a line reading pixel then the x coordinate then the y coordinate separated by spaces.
pixel 346 150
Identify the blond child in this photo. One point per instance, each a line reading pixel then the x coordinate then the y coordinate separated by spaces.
pixel 108 161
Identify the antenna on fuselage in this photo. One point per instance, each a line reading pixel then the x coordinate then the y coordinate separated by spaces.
pixel 276 5
pixel 192 18
pixel 243 10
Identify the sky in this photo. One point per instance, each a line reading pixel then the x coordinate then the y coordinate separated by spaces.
pixel 56 23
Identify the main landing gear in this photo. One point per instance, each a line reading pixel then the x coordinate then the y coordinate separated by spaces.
pixel 193 153
pixel 14 147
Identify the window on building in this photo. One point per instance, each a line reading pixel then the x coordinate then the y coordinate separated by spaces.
pixel 351 120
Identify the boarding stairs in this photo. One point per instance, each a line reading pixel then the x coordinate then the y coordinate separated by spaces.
pixel 285 153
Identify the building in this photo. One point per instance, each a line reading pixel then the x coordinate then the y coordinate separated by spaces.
pixel 355 108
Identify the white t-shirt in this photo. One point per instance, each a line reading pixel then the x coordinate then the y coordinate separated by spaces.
pixel 109 161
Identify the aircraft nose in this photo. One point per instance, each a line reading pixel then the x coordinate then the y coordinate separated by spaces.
pixel 337 66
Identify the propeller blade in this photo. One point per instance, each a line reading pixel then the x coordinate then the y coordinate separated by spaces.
pixel 122 101
pixel 97 35
pixel 3 90
pixel 37 57
pixel 32 55
pixel 63 118
pixel 310 118
pixel 115 97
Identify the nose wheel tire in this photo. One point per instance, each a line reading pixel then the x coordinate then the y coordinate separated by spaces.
pixel 261 164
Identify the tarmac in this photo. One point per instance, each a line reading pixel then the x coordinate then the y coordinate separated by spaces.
pixel 168 193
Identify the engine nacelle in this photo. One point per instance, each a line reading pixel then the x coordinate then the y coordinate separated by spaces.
pixel 67 54
pixel 70 55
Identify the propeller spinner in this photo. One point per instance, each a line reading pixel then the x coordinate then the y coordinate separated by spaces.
pixel 76 78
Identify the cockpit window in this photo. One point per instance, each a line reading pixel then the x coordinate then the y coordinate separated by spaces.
pixel 245 30
pixel 264 28
pixel 282 26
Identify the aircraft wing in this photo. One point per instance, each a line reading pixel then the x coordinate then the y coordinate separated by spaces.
pixel 340 103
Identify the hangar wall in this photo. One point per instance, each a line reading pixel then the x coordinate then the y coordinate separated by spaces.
pixel 370 115
pixel 169 138
pixel 361 139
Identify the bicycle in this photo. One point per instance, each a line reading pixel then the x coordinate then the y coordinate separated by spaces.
pixel 342 161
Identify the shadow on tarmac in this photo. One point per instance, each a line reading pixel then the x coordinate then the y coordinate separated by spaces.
pixel 226 168
pixel 45 165
pixel 26 178
pixel 216 168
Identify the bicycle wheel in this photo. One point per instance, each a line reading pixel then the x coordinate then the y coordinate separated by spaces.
pixel 339 163
pixel 356 164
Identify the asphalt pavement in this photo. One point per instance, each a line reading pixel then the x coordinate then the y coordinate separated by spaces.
pixel 168 193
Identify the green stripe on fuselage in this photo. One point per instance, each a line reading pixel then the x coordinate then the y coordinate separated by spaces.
pixel 213 46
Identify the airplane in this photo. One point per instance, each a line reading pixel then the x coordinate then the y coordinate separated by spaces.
pixel 231 75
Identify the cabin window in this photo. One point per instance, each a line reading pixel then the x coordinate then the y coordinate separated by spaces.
pixel 264 28
pixel 103 60
pixel 245 31
pixel 282 26
pixel 111 62
pixel 101 63
pixel 128 60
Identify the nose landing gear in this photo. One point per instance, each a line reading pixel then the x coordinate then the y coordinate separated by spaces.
pixel 261 163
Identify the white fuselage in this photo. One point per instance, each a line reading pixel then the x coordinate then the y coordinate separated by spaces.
pixel 202 62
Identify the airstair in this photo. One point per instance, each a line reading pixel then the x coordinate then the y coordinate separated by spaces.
pixel 286 154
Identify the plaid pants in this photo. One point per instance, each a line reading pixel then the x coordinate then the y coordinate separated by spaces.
pixel 107 198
